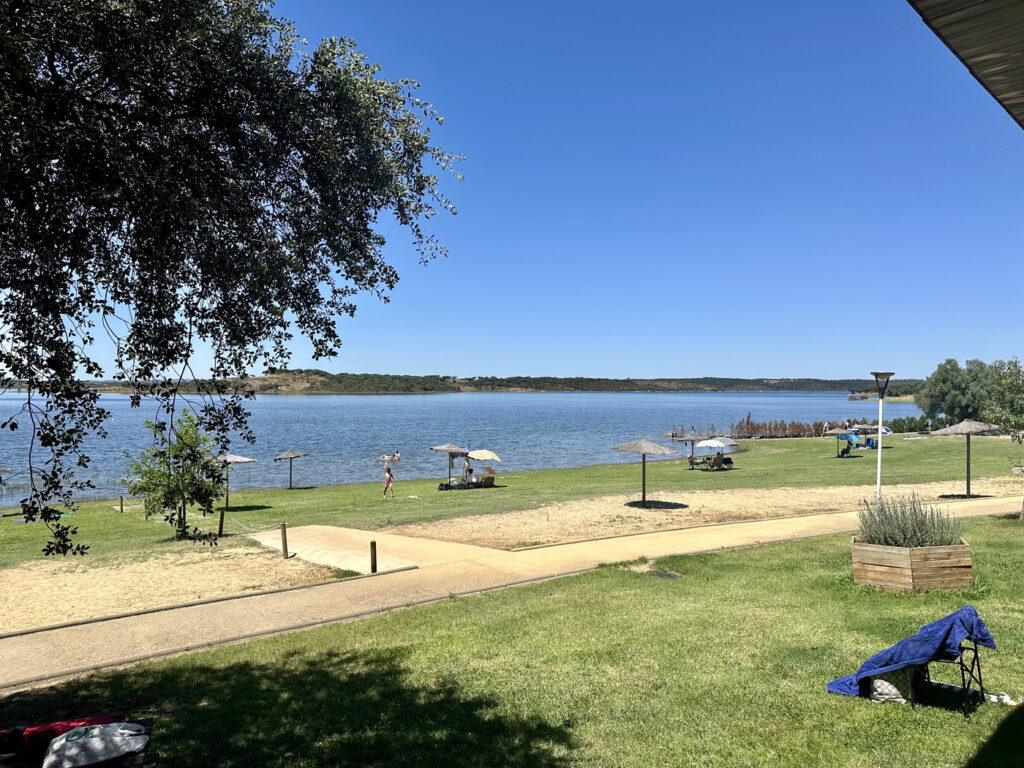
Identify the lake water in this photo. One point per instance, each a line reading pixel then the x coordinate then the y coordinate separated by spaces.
pixel 344 434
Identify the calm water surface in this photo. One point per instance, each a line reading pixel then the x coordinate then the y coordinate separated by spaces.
pixel 344 434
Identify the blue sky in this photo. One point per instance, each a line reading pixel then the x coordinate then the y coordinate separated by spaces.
pixel 659 189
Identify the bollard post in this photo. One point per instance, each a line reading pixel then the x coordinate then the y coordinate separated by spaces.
pixel 284 540
pixel 122 503
pixel 373 557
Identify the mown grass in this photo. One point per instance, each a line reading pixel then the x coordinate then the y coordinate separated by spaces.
pixel 725 666
pixel 762 464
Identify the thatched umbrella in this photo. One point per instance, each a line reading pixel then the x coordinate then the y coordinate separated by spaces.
pixel 836 431
pixel 291 456
pixel 969 427
pixel 229 458
pixel 452 450
pixel 643 447
pixel 692 438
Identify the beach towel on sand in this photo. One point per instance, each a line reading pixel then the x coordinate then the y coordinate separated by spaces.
pixel 938 641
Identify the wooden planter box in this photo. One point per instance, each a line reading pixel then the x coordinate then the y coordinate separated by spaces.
pixel 912 568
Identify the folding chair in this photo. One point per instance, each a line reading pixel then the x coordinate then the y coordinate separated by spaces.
pixel 970 674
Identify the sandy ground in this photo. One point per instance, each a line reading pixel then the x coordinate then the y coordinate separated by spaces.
pixel 47 591
pixel 618 515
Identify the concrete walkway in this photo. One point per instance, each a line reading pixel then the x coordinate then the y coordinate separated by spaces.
pixel 442 569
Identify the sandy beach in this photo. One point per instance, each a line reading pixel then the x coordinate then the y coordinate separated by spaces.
pixel 50 591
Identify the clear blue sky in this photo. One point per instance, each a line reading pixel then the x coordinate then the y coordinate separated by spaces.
pixel 659 189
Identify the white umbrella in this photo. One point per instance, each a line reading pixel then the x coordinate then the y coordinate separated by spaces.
pixel 484 455
pixel 718 444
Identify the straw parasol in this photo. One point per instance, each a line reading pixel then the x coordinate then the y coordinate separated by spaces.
pixel 229 458
pixel 836 432
pixel 291 456
pixel 690 437
pixel 452 450
pixel 643 447
pixel 969 427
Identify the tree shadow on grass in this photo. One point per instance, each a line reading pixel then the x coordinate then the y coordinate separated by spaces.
pixel 356 708
pixel 952 496
pixel 654 504
pixel 1003 747
pixel 245 508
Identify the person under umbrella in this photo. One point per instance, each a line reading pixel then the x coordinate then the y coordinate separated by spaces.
pixel 838 432
pixel 452 450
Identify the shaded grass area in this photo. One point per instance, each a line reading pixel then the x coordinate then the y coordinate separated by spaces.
pixel 761 464
pixel 725 666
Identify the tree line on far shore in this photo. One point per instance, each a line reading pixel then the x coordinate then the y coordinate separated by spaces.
pixel 311 380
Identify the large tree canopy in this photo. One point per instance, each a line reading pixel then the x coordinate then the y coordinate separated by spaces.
pixel 959 393
pixel 182 172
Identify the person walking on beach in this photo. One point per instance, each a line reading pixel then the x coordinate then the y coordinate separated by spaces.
pixel 388 479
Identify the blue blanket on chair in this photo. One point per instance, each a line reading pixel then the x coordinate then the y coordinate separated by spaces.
pixel 938 641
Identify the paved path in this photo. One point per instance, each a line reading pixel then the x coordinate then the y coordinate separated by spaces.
pixel 442 569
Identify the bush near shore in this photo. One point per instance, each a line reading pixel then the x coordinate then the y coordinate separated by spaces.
pixel 747 428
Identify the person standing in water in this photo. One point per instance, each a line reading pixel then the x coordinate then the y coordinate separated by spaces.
pixel 388 480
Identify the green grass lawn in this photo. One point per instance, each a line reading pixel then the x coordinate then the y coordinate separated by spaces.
pixel 761 464
pixel 725 666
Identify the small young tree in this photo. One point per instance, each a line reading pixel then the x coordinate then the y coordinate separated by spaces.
pixel 179 471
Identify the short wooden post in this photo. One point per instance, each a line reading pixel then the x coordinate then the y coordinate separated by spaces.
pixel 284 540
pixel 122 503
pixel 373 557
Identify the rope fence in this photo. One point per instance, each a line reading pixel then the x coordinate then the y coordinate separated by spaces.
pixel 269 527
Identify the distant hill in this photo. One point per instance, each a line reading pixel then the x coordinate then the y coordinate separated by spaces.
pixel 312 381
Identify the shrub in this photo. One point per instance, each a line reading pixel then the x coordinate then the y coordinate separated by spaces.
pixel 904 521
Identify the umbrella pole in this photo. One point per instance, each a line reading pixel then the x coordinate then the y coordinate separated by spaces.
pixel 643 479
pixel 968 466
pixel 290 473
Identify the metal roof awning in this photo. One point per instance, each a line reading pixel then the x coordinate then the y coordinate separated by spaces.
pixel 988 37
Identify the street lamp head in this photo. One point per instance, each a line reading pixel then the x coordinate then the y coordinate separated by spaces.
pixel 882 381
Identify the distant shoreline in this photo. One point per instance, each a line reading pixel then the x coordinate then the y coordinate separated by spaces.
pixel 315 382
